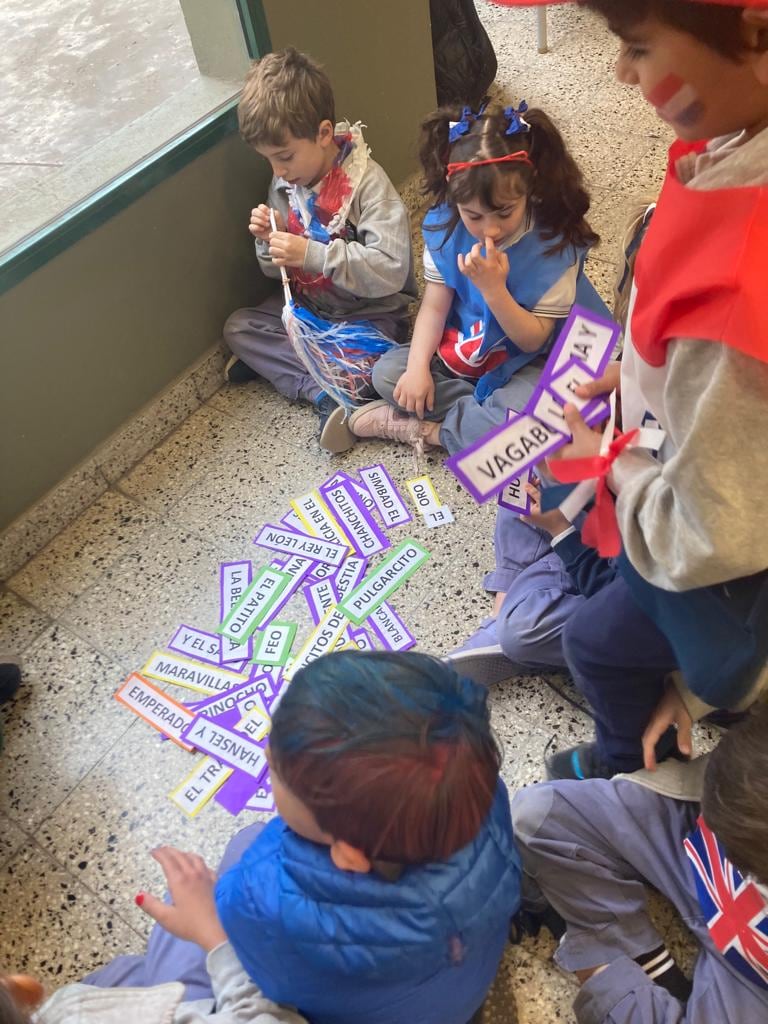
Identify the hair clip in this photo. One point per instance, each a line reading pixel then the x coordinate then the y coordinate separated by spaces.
pixel 517 122
pixel 458 128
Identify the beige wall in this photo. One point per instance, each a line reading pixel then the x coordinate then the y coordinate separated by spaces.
pixel 379 58
pixel 101 329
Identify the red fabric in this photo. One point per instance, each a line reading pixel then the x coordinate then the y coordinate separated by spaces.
pixel 600 529
pixel 759 4
pixel 702 267
pixel 459 353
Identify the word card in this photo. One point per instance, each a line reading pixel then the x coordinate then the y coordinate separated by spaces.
pixel 234 580
pixel 390 574
pixel 386 497
pixel 197 644
pixel 226 745
pixel 322 640
pixel 515 497
pixel 358 524
pixel 191 795
pixel 582 351
pixel 320 597
pixel 425 498
pixel 349 575
pixel 155 707
pixel 273 643
pixel 255 605
pixel 390 629
pixel 287 542
pixel 318 518
pixel 170 668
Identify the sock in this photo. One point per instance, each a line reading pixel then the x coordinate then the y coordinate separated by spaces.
pixel 661 968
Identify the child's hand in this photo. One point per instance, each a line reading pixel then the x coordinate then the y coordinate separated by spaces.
pixel 670 710
pixel 287 250
pixel 488 273
pixel 260 224
pixel 610 381
pixel 415 391
pixel 586 442
pixel 553 522
pixel 192 914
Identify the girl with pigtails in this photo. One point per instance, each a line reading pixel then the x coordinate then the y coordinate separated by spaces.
pixel 505 244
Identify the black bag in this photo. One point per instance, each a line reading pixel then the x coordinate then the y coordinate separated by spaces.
pixel 465 62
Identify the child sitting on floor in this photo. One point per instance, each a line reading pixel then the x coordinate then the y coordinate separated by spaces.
pixel 343 232
pixel 691 593
pixel 504 254
pixel 383 892
pixel 698 833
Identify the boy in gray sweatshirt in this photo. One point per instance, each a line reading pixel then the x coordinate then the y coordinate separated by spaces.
pixel 340 229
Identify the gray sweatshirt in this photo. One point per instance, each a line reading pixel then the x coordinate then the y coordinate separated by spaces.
pixel 695 516
pixel 371 273
pixel 237 1001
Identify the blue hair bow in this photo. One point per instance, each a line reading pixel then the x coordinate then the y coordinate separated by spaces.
pixel 517 123
pixel 458 128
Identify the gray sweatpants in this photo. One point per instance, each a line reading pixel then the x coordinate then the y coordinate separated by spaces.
pixel 590 846
pixel 464 420
pixel 257 336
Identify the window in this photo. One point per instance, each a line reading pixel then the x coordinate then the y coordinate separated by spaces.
pixel 103 98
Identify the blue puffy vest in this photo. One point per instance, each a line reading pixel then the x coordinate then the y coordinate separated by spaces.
pixel 347 948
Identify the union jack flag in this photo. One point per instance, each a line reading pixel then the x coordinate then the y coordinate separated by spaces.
pixel 735 910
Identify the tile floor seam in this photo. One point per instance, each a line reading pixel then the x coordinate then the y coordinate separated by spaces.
pixel 73 628
pixel 30 604
pixel 55 807
pixel 48 855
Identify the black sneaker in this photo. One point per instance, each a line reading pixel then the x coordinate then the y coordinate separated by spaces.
pixel 528 923
pixel 335 435
pixel 10 680
pixel 238 372
pixel 581 762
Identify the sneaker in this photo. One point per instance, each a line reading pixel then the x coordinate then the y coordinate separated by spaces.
pixel 528 924
pixel 482 659
pixel 335 435
pixel 10 679
pixel 581 762
pixel 238 372
pixel 380 419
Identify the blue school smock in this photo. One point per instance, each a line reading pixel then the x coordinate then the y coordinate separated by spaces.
pixel 532 272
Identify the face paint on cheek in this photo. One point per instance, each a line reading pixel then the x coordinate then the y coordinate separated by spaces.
pixel 676 101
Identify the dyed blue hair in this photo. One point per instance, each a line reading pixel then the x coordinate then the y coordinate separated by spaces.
pixel 392 753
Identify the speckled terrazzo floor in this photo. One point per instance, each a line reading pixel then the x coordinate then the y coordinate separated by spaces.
pixel 83 786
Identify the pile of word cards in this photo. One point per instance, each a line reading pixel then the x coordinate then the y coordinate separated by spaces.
pixel 502 461
pixel 334 547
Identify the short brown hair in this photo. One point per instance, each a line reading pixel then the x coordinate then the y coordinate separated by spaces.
pixel 284 93
pixel 720 27
pixel 735 800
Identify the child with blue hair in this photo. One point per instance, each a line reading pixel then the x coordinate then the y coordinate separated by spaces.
pixel 384 890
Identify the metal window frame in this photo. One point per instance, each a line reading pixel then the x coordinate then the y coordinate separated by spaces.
pixel 37 248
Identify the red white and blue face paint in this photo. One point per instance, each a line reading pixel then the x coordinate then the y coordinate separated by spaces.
pixel 676 101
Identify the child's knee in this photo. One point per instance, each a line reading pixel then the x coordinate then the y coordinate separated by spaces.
pixel 234 326
pixel 520 638
pixel 531 808
pixel 387 372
